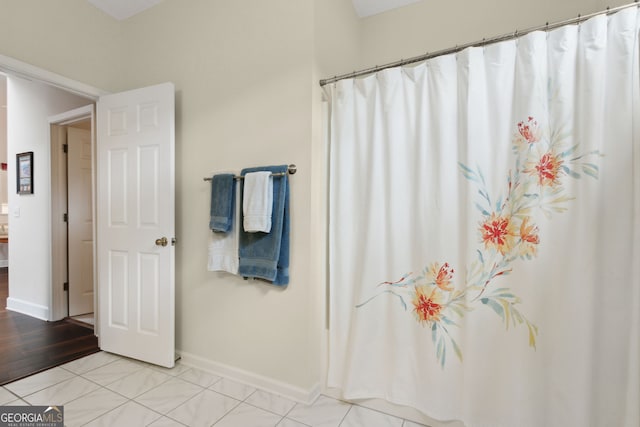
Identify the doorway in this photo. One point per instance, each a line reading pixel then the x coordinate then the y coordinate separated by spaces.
pixel 80 267
pixel 138 128
pixel 34 341
pixel 4 207
pixel 72 208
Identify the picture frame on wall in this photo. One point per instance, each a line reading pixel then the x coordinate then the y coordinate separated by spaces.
pixel 24 170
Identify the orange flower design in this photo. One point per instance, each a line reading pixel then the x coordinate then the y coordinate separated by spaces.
pixel 507 233
pixel 529 130
pixel 547 169
pixel 441 276
pixel 498 232
pixel 529 237
pixel 427 304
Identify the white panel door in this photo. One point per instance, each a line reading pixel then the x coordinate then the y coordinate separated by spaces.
pixel 80 222
pixel 136 223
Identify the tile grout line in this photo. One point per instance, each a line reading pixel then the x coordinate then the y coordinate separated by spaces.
pixel 178 376
pixel 267 410
pixel 345 415
pixel 289 411
pixel 92 369
pixel 129 399
pixel 101 415
pixel 101 386
pixel 382 412
pixel 36 391
pixel 17 397
pixel 175 407
pixel 226 413
pixel 81 375
pixel 160 414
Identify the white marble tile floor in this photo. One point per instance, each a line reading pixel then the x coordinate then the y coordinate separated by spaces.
pixel 104 390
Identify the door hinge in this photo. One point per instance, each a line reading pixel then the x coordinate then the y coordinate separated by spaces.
pixel 65 148
pixel 65 286
pixel 65 217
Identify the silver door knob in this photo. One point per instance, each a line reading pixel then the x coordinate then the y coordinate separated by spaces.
pixel 162 242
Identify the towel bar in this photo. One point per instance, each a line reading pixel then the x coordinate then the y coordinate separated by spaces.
pixel 292 169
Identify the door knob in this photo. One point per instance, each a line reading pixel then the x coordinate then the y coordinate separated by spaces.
pixel 162 242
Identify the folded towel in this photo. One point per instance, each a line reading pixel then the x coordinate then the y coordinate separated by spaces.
pixel 266 255
pixel 257 201
pixel 222 202
pixel 223 247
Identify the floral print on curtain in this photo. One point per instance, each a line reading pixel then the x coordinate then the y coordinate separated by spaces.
pixel 506 233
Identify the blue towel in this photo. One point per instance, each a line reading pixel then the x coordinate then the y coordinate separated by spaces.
pixel 282 276
pixel 222 202
pixel 266 255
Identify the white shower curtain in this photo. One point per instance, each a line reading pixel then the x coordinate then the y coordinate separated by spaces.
pixel 485 231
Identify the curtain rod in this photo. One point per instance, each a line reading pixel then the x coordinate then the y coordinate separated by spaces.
pixel 483 42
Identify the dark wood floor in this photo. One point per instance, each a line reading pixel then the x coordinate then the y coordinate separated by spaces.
pixel 29 345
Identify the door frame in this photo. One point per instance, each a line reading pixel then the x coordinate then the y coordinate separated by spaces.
pixel 59 238
pixel 15 67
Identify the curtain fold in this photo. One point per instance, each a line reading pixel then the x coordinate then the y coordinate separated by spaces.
pixel 485 231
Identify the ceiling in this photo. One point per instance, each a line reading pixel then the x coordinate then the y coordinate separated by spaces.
pixel 366 8
pixel 123 9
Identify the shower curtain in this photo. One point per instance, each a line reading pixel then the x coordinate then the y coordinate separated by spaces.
pixel 485 231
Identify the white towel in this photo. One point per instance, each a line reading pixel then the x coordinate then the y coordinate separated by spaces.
pixel 223 247
pixel 257 203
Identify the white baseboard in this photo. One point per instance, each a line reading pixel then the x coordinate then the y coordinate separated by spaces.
pixel 4 263
pixel 264 383
pixel 30 309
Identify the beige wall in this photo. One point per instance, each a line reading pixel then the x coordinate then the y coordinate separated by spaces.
pixel 246 78
pixel 67 37
pixel 243 79
pixel 337 38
